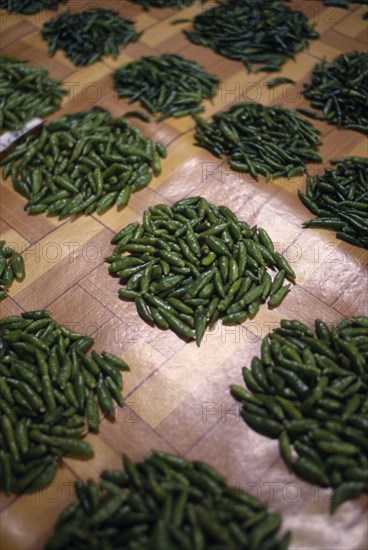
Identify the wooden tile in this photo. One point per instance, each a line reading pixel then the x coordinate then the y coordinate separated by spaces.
pixel 353 299
pixel 210 402
pixel 14 239
pixel 252 453
pixel 9 307
pixel 353 25
pixel 331 264
pixel 43 508
pixel 40 58
pixel 130 434
pixel 54 269
pixel 13 31
pixel 32 228
pixel 164 391
pixel 79 311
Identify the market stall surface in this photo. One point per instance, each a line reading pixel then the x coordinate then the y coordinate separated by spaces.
pixel 177 395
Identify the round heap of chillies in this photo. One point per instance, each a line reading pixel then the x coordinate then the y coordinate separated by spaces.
pixel 48 387
pixel 166 83
pixel 30 6
pixel 163 3
pixel 311 392
pixel 340 90
pixel 82 162
pixel 271 141
pixel 253 31
pixel 165 502
pixel 11 267
pixel 187 265
pixel 339 199
pixel 87 36
pixel 25 92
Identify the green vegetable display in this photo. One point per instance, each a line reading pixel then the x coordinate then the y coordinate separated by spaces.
pixel 25 92
pixel 49 386
pixel 165 502
pixel 82 162
pixel 339 199
pixel 11 267
pixel 340 90
pixel 271 141
pixel 87 36
pixel 254 32
pixel 30 6
pixel 192 263
pixel 310 392
pixel 166 83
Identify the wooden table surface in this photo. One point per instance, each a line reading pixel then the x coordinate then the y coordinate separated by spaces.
pixel 177 396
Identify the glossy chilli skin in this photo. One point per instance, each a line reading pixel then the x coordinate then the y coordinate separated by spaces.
pixel 190 264
pixel 272 142
pixel 81 163
pixel 51 394
pixel 26 92
pixel 166 84
pixel 87 36
pixel 339 199
pixel 11 267
pixel 165 502
pixel 254 32
pixel 310 392
pixel 340 91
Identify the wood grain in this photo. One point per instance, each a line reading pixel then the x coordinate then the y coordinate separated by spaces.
pixel 177 395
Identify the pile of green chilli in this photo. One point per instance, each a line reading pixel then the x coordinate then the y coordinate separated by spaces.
pixel 339 199
pixel 11 267
pixel 189 264
pixel 167 84
pixel 254 32
pixel 87 36
pixel 49 386
pixel 271 141
pixel 311 392
pixel 340 90
pixel 81 163
pixel 25 92
pixel 165 502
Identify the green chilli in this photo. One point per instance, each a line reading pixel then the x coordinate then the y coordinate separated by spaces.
pixel 253 31
pixel 26 92
pixel 83 164
pixel 87 36
pixel 166 84
pixel 166 501
pixel 189 264
pixel 11 267
pixel 268 141
pixel 339 199
pixel 309 391
pixel 340 90
pixel 51 393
